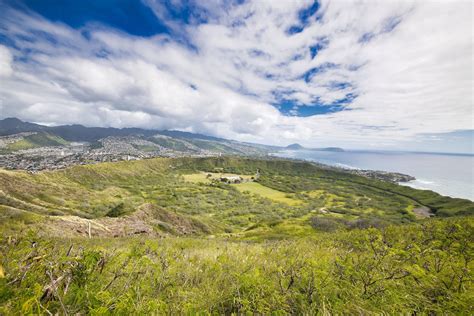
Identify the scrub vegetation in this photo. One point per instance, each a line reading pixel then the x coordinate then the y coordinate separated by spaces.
pixel 168 236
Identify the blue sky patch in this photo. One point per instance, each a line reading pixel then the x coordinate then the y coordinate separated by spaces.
pixel 340 85
pixel 304 16
pixel 308 75
pixel 315 49
pixel 388 26
pixel 291 107
pixel 306 13
pixel 130 16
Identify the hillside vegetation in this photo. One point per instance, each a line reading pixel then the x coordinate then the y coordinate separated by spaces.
pixel 168 236
pixel 35 141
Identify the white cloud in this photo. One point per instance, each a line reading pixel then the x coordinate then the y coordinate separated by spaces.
pixel 5 62
pixel 412 75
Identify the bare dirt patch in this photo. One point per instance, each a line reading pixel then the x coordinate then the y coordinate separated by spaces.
pixel 148 219
pixel 422 212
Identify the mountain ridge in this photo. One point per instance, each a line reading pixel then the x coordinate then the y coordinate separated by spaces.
pixel 12 125
pixel 81 133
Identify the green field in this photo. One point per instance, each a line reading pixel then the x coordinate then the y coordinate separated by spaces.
pixel 159 236
pixel 269 193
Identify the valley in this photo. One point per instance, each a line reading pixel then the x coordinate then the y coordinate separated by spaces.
pixel 256 235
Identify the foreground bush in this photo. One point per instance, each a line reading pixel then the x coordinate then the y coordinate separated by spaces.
pixel 417 268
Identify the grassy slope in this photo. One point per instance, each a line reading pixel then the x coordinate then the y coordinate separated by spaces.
pixel 36 141
pixel 251 251
pixel 171 143
pixel 213 146
pixel 414 268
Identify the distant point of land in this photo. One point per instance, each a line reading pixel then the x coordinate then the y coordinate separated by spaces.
pixel 295 147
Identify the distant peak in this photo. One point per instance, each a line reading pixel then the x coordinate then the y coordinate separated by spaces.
pixel 12 125
pixel 11 120
pixel 294 146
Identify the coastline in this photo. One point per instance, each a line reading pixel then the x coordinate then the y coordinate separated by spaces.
pixel 447 174
pixel 394 177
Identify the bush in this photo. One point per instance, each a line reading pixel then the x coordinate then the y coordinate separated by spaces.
pixel 364 223
pixel 117 211
pixel 327 224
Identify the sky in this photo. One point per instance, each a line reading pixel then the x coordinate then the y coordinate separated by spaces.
pixel 394 75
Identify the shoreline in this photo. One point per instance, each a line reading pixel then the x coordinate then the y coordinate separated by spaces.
pixel 456 184
pixel 394 177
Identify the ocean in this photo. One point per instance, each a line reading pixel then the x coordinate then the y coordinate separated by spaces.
pixel 447 174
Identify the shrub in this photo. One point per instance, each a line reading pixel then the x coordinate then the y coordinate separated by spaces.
pixel 364 223
pixel 117 211
pixel 327 224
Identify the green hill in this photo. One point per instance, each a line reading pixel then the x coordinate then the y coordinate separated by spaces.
pixel 229 236
pixel 40 139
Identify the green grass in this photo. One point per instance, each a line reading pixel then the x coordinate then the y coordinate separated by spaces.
pixel 272 194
